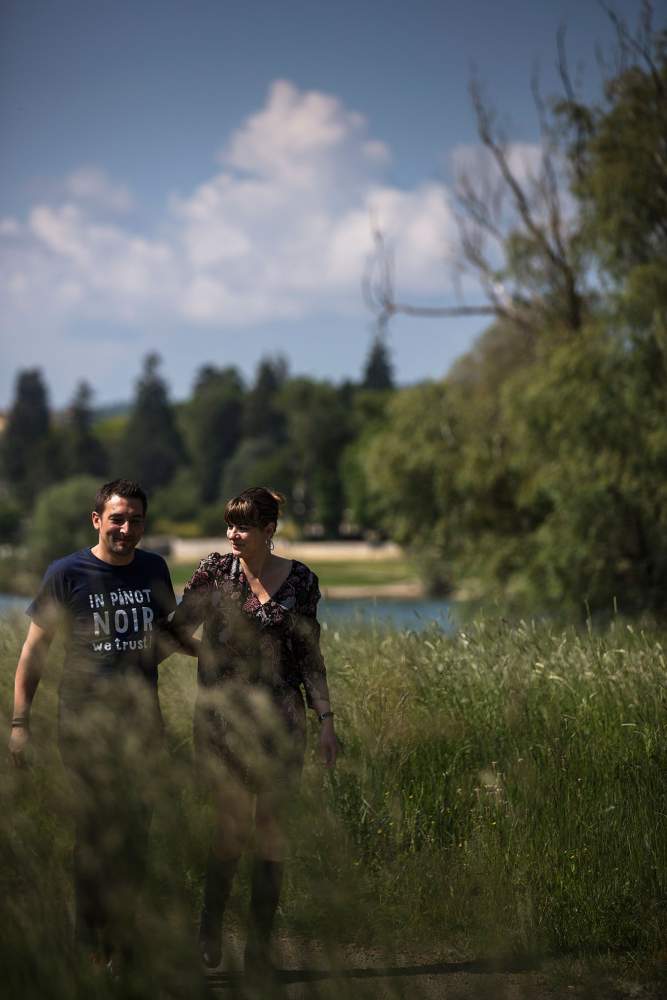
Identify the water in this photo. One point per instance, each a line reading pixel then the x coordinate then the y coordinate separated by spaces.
pixel 414 614
pixel 10 602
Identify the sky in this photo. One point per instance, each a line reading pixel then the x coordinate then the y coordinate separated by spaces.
pixel 201 178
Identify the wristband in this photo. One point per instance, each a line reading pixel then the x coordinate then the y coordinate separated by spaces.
pixel 325 715
pixel 20 722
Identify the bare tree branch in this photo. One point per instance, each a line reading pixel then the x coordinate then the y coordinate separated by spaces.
pixel 639 43
pixel 378 291
pixel 578 112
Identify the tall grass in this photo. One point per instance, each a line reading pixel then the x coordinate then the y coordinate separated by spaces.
pixel 500 791
pixel 509 783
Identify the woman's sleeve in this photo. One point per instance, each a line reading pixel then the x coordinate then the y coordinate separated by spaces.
pixel 311 662
pixel 193 608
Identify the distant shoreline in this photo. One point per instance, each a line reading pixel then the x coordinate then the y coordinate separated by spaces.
pixel 183 550
pixel 409 591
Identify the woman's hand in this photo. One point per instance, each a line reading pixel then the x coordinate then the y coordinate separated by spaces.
pixel 328 743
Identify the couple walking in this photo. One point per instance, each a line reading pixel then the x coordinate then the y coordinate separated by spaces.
pixel 259 651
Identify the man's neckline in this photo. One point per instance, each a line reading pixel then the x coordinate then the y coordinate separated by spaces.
pixel 111 565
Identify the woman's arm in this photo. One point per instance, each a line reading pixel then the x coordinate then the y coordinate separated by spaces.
pixel 314 673
pixel 194 606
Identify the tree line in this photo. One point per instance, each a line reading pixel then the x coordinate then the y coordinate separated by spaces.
pixel 286 431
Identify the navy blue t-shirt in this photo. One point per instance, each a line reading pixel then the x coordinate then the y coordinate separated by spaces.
pixel 111 616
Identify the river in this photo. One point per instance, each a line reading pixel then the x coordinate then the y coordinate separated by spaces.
pixel 413 614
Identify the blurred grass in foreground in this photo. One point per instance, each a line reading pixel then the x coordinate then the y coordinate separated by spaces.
pixel 502 792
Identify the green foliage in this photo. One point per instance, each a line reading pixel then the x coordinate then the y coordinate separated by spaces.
pixel 378 370
pixel 406 467
pixel 256 462
pixel 211 523
pixel 318 427
pixel 536 470
pixel 61 520
pixel 110 430
pixel 179 501
pixel 262 416
pixel 213 425
pixel 151 448
pixel 589 449
pixel 10 521
pixel 366 413
pixel 84 453
pixel 30 451
pixel 622 170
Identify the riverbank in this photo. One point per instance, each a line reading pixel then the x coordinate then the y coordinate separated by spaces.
pixel 182 550
pixel 346 570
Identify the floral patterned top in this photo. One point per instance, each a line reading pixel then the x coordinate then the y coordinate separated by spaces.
pixel 275 644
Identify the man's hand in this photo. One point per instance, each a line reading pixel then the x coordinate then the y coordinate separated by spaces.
pixel 328 743
pixel 18 742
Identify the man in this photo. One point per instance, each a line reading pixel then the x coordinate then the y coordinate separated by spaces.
pixel 111 601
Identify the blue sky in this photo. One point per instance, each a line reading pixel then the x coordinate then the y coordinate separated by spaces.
pixel 198 178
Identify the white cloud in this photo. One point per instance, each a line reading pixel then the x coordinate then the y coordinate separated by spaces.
pixel 526 161
pixel 90 184
pixel 477 163
pixel 302 140
pixel 281 230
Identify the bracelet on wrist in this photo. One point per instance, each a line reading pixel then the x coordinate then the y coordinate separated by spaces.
pixel 325 715
pixel 20 722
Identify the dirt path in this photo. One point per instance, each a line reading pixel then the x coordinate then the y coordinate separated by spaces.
pixel 312 973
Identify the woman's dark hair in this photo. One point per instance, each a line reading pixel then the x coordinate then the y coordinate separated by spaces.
pixel 125 488
pixel 257 507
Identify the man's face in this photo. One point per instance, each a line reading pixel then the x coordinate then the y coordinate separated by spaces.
pixel 120 527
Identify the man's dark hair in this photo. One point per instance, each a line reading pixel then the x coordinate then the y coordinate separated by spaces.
pixel 125 488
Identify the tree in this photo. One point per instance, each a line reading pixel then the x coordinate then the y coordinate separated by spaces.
pixel 378 370
pixel 589 446
pixel 50 537
pixel 257 462
pixel 213 426
pixel 84 453
pixel 262 416
pixel 318 429
pixel 537 466
pixel 152 448
pixel 10 521
pixel 619 146
pixel 367 410
pixel 406 465
pixel 29 450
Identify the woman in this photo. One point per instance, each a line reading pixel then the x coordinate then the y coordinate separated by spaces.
pixel 260 647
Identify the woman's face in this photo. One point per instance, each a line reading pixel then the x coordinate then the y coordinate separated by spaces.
pixel 248 540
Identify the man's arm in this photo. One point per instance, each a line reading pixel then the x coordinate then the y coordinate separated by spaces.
pixel 28 674
pixel 175 640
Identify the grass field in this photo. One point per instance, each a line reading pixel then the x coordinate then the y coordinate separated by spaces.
pixel 335 573
pixel 502 792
